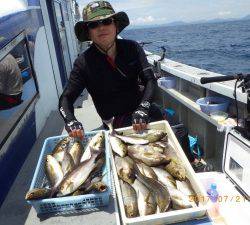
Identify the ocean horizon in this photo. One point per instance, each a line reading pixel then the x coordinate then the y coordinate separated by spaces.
pixel 221 47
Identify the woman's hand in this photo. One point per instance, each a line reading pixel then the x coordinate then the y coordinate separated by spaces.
pixel 75 129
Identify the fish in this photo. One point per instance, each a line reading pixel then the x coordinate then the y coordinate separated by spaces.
pixel 129 199
pixel 150 134
pixel 147 171
pixel 145 199
pixel 163 143
pixel 126 139
pixel 67 163
pixel 60 148
pixel 78 192
pixel 53 171
pixel 155 147
pixel 164 177
pixel 185 187
pixel 146 148
pixel 176 169
pixel 38 193
pixel 117 145
pixel 96 142
pixel 76 151
pixel 98 186
pixel 180 200
pixel 132 140
pixel 125 169
pixel 95 175
pixel 160 192
pixel 149 158
pixel 98 167
pixel 79 175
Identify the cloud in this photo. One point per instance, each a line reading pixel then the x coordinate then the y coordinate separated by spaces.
pixel 12 7
pixel 141 20
pixel 224 13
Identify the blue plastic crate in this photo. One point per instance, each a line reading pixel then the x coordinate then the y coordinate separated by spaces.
pixel 69 204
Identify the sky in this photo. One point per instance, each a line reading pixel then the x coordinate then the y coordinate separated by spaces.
pixel 152 12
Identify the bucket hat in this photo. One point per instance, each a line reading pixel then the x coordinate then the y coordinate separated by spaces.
pixel 99 10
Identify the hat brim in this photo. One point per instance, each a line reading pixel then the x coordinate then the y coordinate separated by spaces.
pixel 81 29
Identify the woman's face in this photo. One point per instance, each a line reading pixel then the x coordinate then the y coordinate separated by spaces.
pixel 103 35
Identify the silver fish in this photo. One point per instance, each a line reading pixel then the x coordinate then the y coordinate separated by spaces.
pixel 38 193
pixel 125 169
pixel 79 175
pixel 67 163
pixel 150 135
pixel 160 192
pixel 76 151
pixel 185 187
pixel 87 183
pixel 53 171
pixel 126 139
pixel 147 171
pixel 60 148
pixel 149 158
pixel 96 143
pixel 117 145
pixel 98 186
pixel 175 167
pixel 164 177
pixel 147 148
pixel 98 167
pixel 129 199
pixel 132 140
pixel 180 200
pixel 163 143
pixel 145 200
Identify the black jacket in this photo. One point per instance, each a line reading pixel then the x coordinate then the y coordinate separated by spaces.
pixel 114 90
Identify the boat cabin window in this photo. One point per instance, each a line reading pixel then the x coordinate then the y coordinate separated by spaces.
pixel 17 84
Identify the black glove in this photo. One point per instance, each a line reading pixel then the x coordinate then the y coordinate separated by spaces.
pixel 141 114
pixel 73 125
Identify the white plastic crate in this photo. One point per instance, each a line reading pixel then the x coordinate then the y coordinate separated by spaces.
pixel 171 216
pixel 70 204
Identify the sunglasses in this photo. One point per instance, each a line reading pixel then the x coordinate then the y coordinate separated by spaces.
pixel 95 24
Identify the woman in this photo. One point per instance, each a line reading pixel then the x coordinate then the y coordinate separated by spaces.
pixel 110 70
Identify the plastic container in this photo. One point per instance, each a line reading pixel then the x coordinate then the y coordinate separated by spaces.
pixel 71 203
pixel 219 116
pixel 212 104
pixel 167 82
pixel 169 217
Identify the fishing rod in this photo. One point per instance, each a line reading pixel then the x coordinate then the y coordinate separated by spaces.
pixel 157 63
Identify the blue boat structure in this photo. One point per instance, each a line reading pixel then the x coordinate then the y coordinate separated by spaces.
pixel 39 35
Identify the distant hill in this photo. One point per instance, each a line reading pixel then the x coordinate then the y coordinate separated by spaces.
pixel 246 17
pixel 179 23
pixel 176 23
